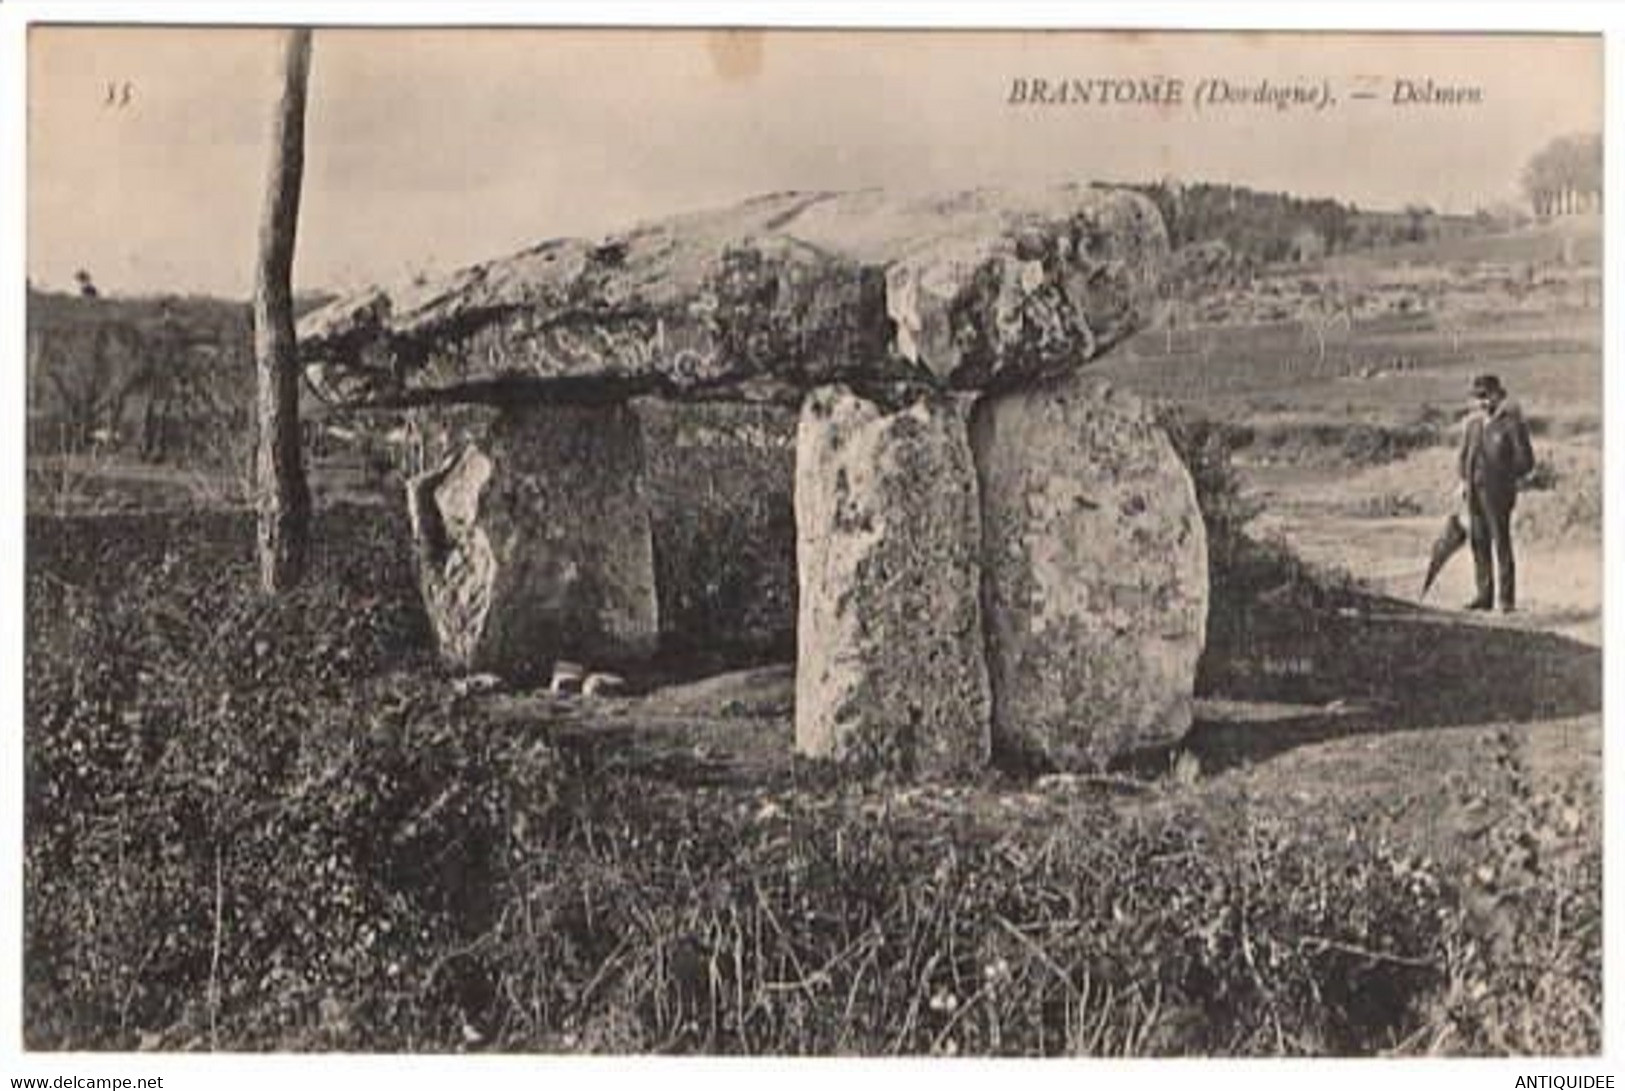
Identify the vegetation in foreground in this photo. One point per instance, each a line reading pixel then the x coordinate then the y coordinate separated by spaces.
pixel 269 825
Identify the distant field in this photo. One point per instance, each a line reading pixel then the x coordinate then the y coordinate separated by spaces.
pixel 1390 370
pixel 1543 243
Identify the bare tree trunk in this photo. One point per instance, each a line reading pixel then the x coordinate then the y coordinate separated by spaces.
pixel 283 496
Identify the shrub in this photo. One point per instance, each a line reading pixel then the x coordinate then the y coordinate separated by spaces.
pixel 1374 445
pixel 720 479
pixel 1542 478
pixel 1388 505
pixel 1207 448
pixel 184 737
pixel 273 875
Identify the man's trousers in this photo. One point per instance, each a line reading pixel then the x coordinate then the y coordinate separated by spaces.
pixel 1489 528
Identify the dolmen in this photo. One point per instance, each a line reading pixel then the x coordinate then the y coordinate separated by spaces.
pixel 996 553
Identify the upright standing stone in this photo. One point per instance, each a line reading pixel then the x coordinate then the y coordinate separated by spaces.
pixel 533 537
pixel 890 674
pixel 1095 569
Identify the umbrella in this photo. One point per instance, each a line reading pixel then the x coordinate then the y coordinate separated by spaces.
pixel 1452 536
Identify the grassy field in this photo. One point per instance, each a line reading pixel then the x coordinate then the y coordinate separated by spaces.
pixel 1578 239
pixel 1391 371
pixel 303 839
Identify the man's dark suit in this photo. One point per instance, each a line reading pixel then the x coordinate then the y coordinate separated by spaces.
pixel 1495 453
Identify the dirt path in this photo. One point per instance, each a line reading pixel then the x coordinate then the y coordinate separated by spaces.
pixel 1417 704
pixel 1339 520
pixel 1560 586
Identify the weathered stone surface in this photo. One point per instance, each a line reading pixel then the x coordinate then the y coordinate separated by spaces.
pixel 890 673
pixel 567 678
pixel 1095 573
pixel 765 300
pixel 533 536
pixel 603 684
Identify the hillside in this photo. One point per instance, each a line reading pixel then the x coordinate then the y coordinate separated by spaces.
pixel 1262 228
pixel 1554 266
pixel 160 376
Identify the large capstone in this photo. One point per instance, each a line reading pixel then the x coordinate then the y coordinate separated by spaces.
pixel 533 536
pixel 890 674
pixel 1095 577
pixel 765 300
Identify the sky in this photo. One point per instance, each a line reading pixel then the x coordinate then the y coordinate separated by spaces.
pixel 431 149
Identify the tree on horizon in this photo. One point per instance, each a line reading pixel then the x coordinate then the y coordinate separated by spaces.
pixel 1565 176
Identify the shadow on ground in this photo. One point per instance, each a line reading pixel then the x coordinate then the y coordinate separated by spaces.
pixel 1277 678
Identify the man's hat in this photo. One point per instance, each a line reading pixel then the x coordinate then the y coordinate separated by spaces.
pixel 1487 384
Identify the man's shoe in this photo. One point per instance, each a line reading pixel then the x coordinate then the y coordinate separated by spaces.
pixel 1478 604
pixel 1508 608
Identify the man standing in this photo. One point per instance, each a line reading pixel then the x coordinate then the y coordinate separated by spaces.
pixel 1495 453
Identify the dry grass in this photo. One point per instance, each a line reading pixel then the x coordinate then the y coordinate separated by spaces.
pixel 304 840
